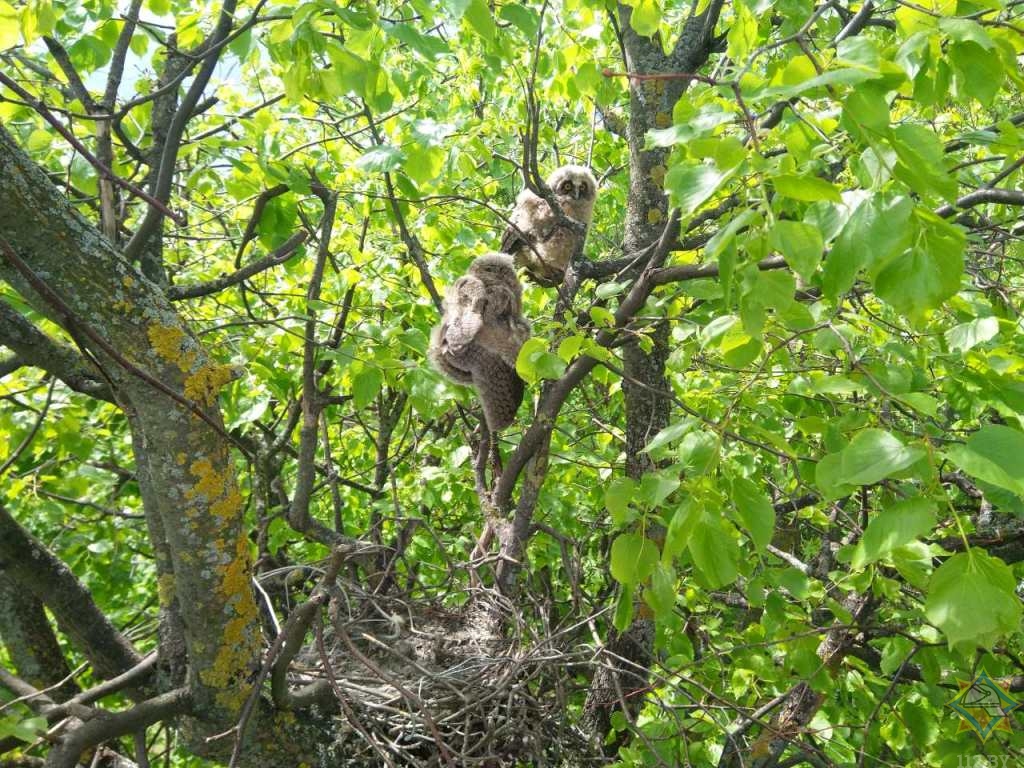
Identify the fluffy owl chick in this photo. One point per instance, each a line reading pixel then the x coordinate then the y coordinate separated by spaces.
pixel 535 239
pixel 480 335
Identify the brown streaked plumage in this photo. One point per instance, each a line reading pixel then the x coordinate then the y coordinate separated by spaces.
pixel 480 335
pixel 535 238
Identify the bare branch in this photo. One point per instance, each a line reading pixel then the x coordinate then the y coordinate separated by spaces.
pixel 48 116
pixel 36 569
pixel 279 256
pixel 32 347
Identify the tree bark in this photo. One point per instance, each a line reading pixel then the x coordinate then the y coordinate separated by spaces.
pixel 65 268
pixel 645 387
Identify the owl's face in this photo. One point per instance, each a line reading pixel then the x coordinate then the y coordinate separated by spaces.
pixel 494 268
pixel 573 182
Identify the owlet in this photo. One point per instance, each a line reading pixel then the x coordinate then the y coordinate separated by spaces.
pixel 480 335
pixel 535 238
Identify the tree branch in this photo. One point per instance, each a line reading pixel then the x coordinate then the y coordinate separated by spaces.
pixel 38 571
pixel 176 130
pixel 33 347
pixel 279 256
pixel 109 726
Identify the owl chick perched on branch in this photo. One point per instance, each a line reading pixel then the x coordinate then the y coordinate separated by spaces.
pixel 536 239
pixel 480 335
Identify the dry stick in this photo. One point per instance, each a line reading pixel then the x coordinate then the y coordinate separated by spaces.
pixel 409 696
pixel 106 172
pixel 279 256
pixel 73 322
pixel 339 694
pixel 294 630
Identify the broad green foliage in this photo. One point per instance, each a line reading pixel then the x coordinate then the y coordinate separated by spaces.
pixel 847 422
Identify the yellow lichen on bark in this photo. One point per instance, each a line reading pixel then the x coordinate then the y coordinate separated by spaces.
pixel 165 589
pixel 203 385
pixel 657 174
pixel 654 216
pixel 226 507
pixel 168 342
pixel 238 647
pixel 209 483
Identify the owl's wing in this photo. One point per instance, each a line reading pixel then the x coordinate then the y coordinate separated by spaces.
pixel 523 222
pixel 501 303
pixel 513 240
pixel 499 388
pixel 463 315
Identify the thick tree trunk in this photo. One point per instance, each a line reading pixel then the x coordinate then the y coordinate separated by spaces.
pixel 166 384
pixel 645 388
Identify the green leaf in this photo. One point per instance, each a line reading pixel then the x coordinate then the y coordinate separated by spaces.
pixel 969 335
pixel 602 317
pixel 755 511
pixel 699 452
pixel 994 454
pixel 921 161
pixel 894 526
pixel 424 165
pixel 660 594
pixel 865 107
pixel 520 16
pixel 690 186
pixel 873 455
pixel 972 599
pixel 624 608
pixel 478 14
pixel 920 402
pixel 809 188
pixel 677 535
pixel 28 729
pixel 742 35
pixel 921 279
pixel 39 139
pixel 800 243
pixel 963 30
pixel 844 76
pixel 699 124
pixel 717 328
pixel 669 435
pixel 535 362
pixel 979 72
pixel 714 551
pixel 879 229
pixel 633 558
pixel 617 498
pixel 365 386
pixel 10 26
pixel 381 159
pixel 655 487
pixel 456 8
pixel 645 16
pixel 427 46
